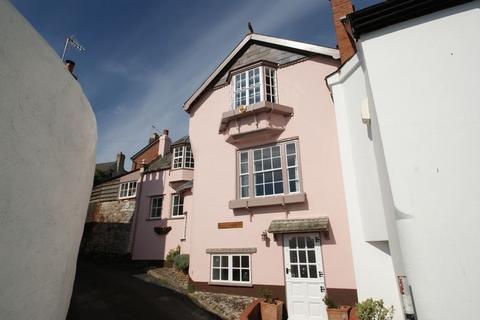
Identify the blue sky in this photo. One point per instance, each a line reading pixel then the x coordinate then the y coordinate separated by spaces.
pixel 145 58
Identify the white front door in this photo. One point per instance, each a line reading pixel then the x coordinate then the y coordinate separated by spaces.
pixel 305 281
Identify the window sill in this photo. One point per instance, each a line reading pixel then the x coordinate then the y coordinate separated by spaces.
pixel 267 201
pixel 181 168
pixel 230 284
pixel 126 198
pixel 153 219
pixel 176 217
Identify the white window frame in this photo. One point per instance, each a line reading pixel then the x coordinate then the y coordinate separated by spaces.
pixel 180 204
pixel 129 189
pixel 230 268
pixel 283 167
pixel 182 157
pixel 152 200
pixel 263 171
pixel 264 74
pixel 244 174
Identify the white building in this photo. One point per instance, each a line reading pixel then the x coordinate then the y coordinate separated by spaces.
pixel 408 118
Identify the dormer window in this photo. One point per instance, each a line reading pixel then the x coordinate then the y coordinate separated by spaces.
pixel 254 85
pixel 182 157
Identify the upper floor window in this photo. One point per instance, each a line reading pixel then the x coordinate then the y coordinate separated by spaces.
pixel 177 205
pixel 128 190
pixel 156 207
pixel 268 171
pixel 183 157
pixel 254 85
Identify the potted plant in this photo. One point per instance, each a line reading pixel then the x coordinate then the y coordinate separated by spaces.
pixel 334 311
pixel 374 310
pixel 270 308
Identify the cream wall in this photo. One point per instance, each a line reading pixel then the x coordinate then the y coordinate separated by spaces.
pixel 302 87
pixel 47 162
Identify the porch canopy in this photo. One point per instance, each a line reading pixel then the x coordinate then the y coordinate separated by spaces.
pixel 299 225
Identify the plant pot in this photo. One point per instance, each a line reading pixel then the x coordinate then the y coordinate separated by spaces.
pixel 270 311
pixel 340 313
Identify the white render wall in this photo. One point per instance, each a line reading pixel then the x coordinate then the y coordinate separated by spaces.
pixel 47 160
pixel 423 86
pixel 374 269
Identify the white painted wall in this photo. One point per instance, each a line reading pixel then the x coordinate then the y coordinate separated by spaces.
pixel 47 160
pixel 423 87
pixel 374 269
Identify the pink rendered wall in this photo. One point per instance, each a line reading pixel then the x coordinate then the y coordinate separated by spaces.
pixel 301 86
pixel 147 245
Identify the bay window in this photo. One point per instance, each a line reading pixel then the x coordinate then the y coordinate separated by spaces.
pixel 182 157
pixel 254 85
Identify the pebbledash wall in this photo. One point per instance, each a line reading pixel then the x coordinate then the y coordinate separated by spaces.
pixel 412 174
pixel 146 243
pixel 109 219
pixel 47 163
pixel 301 86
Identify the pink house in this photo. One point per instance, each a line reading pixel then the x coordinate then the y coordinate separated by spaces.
pixel 164 199
pixel 269 208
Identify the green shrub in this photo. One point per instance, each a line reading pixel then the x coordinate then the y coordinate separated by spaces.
pixel 181 262
pixel 267 295
pixel 172 254
pixel 330 303
pixel 374 310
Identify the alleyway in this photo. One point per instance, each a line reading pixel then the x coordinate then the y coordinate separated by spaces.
pixel 109 291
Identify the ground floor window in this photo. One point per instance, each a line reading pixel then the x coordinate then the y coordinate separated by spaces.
pixel 230 268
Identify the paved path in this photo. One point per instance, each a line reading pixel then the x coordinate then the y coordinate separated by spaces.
pixel 109 291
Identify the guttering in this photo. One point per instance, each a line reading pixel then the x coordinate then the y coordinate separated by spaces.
pixel 391 12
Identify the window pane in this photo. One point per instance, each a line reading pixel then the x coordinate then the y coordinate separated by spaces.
pixel 236 261
pixel 276 151
pixel 293 256
pixel 258 165
pixel 278 187
pixel 259 178
pixel 216 261
pixel 291 160
pixel 292 243
pixel 294 270
pixel 277 175
pixel 292 173
pixel 257 154
pixel 311 256
pixel 313 271
pixel 268 188
pixel 290 148
pixel 244 192
pixel 310 242
pixel 244 180
pixel 267 164
pixel 236 275
pixel 303 271
pixel 245 261
pixel 224 274
pixel 216 274
pixel 276 163
pixel 301 242
pixel 302 257
pixel 259 190
pixel 245 275
pixel 244 168
pixel 224 261
pixel 293 186
pixel 244 157
pixel 266 153
pixel 268 177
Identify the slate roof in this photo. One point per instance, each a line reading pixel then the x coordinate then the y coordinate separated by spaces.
pixel 106 171
pixel 182 140
pixel 161 163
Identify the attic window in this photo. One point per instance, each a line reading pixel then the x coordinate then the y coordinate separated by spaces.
pixel 254 85
pixel 183 157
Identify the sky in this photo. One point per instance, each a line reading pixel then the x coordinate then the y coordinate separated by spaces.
pixel 145 58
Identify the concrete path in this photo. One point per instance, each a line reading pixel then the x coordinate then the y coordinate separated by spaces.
pixel 110 291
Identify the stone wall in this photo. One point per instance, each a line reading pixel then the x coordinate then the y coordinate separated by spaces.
pixel 107 228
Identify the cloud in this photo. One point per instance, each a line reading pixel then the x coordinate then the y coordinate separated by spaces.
pixel 173 81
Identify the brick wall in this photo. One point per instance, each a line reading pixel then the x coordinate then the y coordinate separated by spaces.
pixel 149 155
pixel 346 45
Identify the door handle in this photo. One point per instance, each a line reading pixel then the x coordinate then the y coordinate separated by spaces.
pixel 320 274
pixel 322 289
pixel 286 270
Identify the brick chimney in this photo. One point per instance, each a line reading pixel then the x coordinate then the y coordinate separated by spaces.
pixel 120 162
pixel 345 43
pixel 164 143
pixel 153 137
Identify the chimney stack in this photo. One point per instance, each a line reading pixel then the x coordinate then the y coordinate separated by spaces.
pixel 164 143
pixel 345 43
pixel 153 137
pixel 120 162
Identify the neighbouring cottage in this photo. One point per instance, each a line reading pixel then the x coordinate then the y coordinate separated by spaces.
pixel 408 117
pixel 269 207
pixel 164 203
